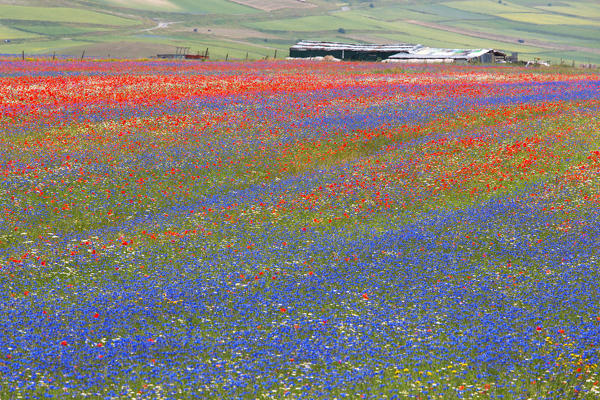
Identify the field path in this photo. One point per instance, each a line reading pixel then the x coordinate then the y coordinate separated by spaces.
pixel 160 25
pixel 503 38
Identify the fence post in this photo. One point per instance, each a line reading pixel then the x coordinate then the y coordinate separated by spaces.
pixel 82 55
pixel 23 55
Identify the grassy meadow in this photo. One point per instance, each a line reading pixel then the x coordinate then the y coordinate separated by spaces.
pixel 291 229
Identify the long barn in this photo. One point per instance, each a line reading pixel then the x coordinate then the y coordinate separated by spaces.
pixel 347 51
pixel 430 54
pixel 402 52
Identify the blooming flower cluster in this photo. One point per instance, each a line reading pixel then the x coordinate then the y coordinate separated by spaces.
pixel 296 229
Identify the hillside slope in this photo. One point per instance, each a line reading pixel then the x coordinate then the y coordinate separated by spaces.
pixel 568 30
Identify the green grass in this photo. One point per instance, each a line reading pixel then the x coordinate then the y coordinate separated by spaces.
pixel 61 14
pixel 220 49
pixel 40 46
pixel 568 56
pixel 490 7
pixel 53 29
pixel 555 34
pixel 184 6
pixel 346 20
pixel 583 10
pixel 546 19
pixel 444 12
pixel 398 12
pixel 437 37
pixel 168 6
pixel 10 33
pixel 578 13
pixel 213 7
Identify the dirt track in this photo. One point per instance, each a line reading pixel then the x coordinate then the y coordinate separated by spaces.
pixel 504 38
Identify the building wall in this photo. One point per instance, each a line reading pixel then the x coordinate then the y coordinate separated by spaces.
pixel 349 55
pixel 487 58
pixel 315 53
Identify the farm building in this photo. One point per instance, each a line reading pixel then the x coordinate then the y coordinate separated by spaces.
pixel 402 52
pixel 347 51
pixel 430 54
pixel 182 53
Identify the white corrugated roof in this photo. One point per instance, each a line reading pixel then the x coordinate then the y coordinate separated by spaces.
pixel 314 45
pixel 432 52
pixel 402 50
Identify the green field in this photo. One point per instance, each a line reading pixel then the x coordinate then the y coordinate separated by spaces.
pixel 566 30
pixel 488 6
pixel 41 46
pixel 574 8
pixel 456 40
pixel 53 29
pixel 61 14
pixel 543 19
pixel 558 34
pixel 213 7
pixel 347 20
pixel 10 33
pixel 184 6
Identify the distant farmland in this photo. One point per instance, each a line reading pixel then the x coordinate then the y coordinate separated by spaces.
pixel 568 30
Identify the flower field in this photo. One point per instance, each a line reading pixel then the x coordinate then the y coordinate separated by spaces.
pixel 298 230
